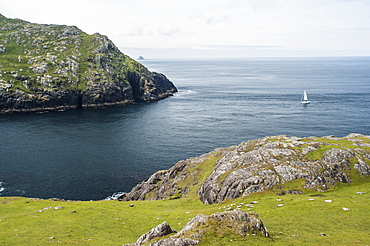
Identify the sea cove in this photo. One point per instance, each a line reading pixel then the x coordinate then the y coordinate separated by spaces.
pixel 91 154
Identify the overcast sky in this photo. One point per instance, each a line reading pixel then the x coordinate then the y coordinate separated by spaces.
pixel 212 28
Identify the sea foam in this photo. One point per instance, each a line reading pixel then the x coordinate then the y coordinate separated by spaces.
pixel 1 188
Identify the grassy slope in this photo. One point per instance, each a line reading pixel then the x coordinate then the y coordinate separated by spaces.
pixel 16 58
pixel 298 222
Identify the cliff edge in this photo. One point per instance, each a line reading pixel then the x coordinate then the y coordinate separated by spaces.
pixel 259 165
pixel 58 67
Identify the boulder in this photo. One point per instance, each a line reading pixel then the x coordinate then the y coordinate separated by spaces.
pixel 236 222
pixel 160 230
pixel 239 222
pixel 175 242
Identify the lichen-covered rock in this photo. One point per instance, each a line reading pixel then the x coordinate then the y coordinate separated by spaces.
pixel 160 230
pixel 55 67
pixel 165 183
pixel 237 222
pixel 169 242
pixel 277 160
pixel 175 242
pixel 262 164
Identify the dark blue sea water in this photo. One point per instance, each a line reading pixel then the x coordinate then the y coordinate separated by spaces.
pixel 91 154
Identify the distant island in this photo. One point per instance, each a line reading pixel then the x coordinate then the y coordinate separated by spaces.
pixel 140 58
pixel 59 67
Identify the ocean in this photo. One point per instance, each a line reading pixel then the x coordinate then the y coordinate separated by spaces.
pixel 91 154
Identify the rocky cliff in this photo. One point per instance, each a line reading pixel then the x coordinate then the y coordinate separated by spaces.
pixel 259 165
pixel 56 67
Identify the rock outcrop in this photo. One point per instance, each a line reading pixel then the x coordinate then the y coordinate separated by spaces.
pixel 160 230
pixel 259 165
pixel 175 242
pixel 276 160
pixel 56 67
pixel 236 222
pixel 173 183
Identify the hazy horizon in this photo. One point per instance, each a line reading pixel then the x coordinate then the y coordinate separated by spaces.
pixel 160 29
pixel 189 53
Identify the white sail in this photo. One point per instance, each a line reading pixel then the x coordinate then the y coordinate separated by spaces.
pixel 305 98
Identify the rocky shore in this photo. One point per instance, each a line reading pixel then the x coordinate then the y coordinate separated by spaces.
pixel 56 67
pixel 259 165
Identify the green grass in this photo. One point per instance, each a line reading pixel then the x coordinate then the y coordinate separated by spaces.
pixel 298 222
pixel 290 219
pixel 202 172
pixel 43 41
pixel 93 223
pixel 318 154
pixel 28 46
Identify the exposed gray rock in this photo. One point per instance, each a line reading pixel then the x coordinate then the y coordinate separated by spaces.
pixel 175 242
pixel 39 68
pixel 294 192
pixel 272 163
pixel 355 135
pixel 150 88
pixel 237 222
pixel 362 167
pixel 258 165
pixel 160 230
pixel 69 31
pixel 189 229
pixel 164 184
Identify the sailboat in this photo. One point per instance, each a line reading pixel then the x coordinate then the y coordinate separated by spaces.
pixel 305 98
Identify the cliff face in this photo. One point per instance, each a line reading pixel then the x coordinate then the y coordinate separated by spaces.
pixel 55 67
pixel 259 165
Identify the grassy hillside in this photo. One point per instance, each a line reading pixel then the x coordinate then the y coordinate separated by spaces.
pixel 59 67
pixel 290 219
pixel 69 57
pixel 298 222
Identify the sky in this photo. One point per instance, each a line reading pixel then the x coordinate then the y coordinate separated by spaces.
pixel 170 29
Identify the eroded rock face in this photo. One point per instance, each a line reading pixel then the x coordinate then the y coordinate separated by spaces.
pixel 261 164
pixel 165 184
pixel 55 67
pixel 277 160
pixel 49 100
